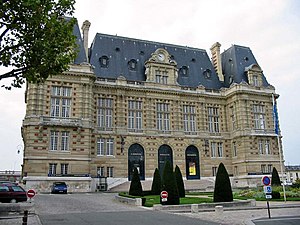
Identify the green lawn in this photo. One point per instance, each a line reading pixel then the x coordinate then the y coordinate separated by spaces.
pixel 155 199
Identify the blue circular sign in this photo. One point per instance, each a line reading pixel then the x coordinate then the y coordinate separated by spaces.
pixel 266 180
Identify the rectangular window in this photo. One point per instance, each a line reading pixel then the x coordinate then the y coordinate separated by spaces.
pixel 105 112
pixel 220 150
pixel 59 141
pixel 100 171
pixel 213 147
pixel 216 149
pixel 270 168
pixel 213 120
pixel 234 149
pixel 235 171
pixel 214 171
pixel 263 168
pixel 189 117
pixel 264 147
pixel 64 168
pixel 163 116
pixel 259 116
pixel 105 147
pixel 64 141
pixel 60 102
pixel 161 77
pixel 232 116
pixel 255 81
pixel 54 140
pixel 135 115
pixel 267 147
pixel 110 172
pixel 52 169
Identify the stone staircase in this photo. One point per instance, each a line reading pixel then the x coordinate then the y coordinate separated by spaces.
pixel 205 184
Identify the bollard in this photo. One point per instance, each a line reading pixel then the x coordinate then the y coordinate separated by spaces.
pixel 25 217
pixel 194 208
pixel 219 210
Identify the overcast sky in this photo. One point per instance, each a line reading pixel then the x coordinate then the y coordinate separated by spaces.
pixel 271 28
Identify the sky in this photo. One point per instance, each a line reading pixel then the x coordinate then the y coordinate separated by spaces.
pixel 271 28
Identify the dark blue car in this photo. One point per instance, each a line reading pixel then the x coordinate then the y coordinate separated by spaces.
pixel 59 187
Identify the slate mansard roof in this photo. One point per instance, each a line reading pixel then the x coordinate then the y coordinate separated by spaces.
pixel 121 50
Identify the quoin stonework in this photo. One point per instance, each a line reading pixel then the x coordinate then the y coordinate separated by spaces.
pixel 128 103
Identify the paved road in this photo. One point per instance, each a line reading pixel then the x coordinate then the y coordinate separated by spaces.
pixel 293 220
pixel 100 208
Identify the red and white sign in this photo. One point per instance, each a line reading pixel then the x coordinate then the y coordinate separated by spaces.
pixel 31 193
pixel 266 180
pixel 164 195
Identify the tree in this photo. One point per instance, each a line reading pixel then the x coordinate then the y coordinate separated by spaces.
pixel 179 182
pixel 169 185
pixel 275 181
pixel 222 192
pixel 36 39
pixel 156 183
pixel 136 188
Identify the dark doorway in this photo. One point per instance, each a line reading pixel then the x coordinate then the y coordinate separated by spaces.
pixel 164 155
pixel 136 159
pixel 192 163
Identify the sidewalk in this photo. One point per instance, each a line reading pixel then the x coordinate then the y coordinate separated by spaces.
pixel 246 215
pixel 18 220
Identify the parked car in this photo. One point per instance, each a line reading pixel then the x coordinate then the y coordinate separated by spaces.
pixel 59 187
pixel 10 192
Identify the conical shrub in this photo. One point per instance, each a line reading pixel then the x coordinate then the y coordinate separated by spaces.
pixel 169 185
pixel 275 181
pixel 136 188
pixel 223 191
pixel 156 183
pixel 179 182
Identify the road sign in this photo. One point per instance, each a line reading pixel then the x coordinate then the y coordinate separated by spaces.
pixel 164 196
pixel 266 180
pixel 268 189
pixel 31 193
pixel 268 196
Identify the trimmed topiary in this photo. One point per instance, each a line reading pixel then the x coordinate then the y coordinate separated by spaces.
pixel 169 185
pixel 156 183
pixel 275 194
pixel 275 181
pixel 179 181
pixel 135 185
pixel 223 191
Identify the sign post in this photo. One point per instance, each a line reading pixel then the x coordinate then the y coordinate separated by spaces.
pixel 30 194
pixel 268 191
pixel 164 196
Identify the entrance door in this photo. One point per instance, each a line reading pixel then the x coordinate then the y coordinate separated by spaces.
pixel 136 159
pixel 164 155
pixel 192 163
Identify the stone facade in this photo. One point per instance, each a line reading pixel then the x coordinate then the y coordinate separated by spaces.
pixel 80 125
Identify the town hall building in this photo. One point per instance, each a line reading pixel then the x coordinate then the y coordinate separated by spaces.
pixel 127 103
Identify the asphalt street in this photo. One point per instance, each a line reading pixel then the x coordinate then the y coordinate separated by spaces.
pixel 287 220
pixel 101 208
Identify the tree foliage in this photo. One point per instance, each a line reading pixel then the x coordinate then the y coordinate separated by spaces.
pixel 275 180
pixel 36 39
pixel 179 182
pixel 223 191
pixel 136 188
pixel 156 183
pixel 169 185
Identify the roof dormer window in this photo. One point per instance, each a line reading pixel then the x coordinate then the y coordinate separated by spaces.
pixel 207 73
pixel 184 71
pixel 104 61
pixel 132 64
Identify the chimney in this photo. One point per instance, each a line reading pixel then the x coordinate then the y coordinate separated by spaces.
pixel 85 32
pixel 216 59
